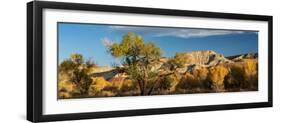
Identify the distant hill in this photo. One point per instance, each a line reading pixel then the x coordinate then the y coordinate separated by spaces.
pixel 243 56
pixel 194 60
pixel 206 57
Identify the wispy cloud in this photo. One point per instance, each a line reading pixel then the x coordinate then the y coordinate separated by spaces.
pixel 174 32
pixel 106 41
pixel 190 33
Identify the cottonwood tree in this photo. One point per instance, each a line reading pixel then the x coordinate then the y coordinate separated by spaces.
pixel 140 59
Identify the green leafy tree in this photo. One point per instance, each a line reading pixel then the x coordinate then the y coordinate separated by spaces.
pixel 139 61
pixel 77 71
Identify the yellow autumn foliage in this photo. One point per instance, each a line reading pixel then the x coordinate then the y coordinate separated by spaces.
pixel 106 94
pixel 194 81
pixel 65 89
pixel 124 85
pixel 243 74
pixel 174 80
pixel 187 82
pixel 250 67
pixel 117 84
pixel 128 85
pixel 216 76
pixel 200 73
pixel 98 84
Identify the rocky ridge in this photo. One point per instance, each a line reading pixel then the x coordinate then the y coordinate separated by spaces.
pixel 194 60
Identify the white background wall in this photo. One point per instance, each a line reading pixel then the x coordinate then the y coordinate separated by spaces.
pixel 13 61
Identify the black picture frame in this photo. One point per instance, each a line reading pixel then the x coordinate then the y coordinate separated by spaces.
pixel 35 69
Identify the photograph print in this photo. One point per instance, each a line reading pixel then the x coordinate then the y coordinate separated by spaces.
pixel 106 60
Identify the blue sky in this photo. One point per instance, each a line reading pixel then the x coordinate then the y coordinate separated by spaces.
pixel 88 39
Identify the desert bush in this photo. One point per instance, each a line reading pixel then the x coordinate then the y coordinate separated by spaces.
pixel 201 74
pixel 230 83
pixel 124 85
pixel 105 94
pixel 251 73
pixel 117 84
pixel 65 85
pixel 175 79
pixel 107 91
pixel 251 66
pixel 65 89
pixel 98 84
pixel 102 88
pixel 243 75
pixel 216 77
pixel 64 94
pixel 128 85
pixel 166 83
pixel 253 82
pixel 76 70
pixel 188 83
pixel 235 77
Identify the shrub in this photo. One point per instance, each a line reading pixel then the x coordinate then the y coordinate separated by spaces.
pixel 76 70
pixel 175 79
pixel 124 85
pixel 188 83
pixel 98 84
pixel 166 83
pixel 251 73
pixel 235 77
pixel 243 75
pixel 102 88
pixel 118 84
pixel 201 74
pixel 128 85
pixel 216 77
pixel 63 95
pixel 230 83
pixel 65 89
pixel 105 94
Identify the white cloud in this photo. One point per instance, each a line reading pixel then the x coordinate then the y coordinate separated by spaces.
pixel 106 42
pixel 190 33
pixel 175 32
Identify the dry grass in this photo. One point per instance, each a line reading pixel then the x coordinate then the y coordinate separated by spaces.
pixel 66 89
pixel 98 84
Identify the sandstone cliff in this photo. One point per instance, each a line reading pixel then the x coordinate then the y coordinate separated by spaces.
pixel 207 57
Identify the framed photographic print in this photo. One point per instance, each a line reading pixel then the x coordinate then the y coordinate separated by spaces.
pixel 96 61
